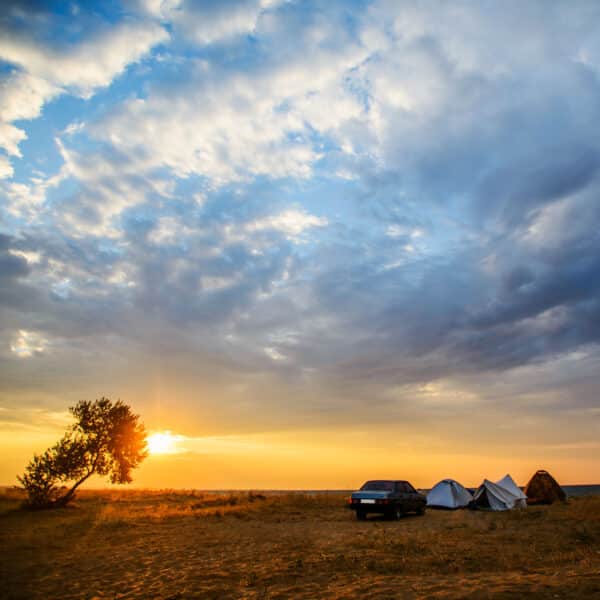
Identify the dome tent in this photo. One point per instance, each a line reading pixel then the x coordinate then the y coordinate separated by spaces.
pixel 544 489
pixel 448 494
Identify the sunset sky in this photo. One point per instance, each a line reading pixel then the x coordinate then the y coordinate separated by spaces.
pixel 317 242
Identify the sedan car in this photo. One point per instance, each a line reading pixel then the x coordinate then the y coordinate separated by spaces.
pixel 390 498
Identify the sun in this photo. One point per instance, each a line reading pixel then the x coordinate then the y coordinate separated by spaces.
pixel 162 442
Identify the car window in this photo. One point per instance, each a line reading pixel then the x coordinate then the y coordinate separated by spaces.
pixel 405 487
pixel 378 486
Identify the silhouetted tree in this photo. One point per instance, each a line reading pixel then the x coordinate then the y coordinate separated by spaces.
pixel 106 439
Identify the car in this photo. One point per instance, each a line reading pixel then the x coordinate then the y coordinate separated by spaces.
pixel 391 498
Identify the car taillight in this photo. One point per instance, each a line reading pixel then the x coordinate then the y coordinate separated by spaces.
pixel 382 501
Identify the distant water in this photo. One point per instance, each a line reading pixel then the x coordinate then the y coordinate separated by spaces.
pixel 581 490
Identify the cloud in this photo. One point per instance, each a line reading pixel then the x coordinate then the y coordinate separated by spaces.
pixel 6 170
pixel 45 70
pixel 156 8
pixel 390 205
pixel 10 137
pixel 207 22
pixel 28 343
pixel 11 266
pixel 107 184
pixel 23 96
pixel 219 145
pixel 168 230
pixel 83 67
pixel 24 200
pixel 240 124
pixel 291 222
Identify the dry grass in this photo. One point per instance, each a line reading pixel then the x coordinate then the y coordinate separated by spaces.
pixel 186 544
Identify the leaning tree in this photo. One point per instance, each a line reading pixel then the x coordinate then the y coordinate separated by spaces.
pixel 106 439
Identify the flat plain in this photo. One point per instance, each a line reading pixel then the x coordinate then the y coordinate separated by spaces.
pixel 186 544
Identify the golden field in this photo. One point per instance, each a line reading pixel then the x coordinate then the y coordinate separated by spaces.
pixel 179 545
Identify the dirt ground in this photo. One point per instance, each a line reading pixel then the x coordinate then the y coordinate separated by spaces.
pixel 180 545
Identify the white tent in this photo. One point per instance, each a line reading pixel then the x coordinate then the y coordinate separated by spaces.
pixel 497 497
pixel 508 483
pixel 448 494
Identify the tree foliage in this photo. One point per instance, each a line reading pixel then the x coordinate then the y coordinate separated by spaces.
pixel 106 439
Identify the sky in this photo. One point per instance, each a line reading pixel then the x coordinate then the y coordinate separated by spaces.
pixel 318 242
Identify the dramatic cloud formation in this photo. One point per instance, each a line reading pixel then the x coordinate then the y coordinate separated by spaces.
pixel 278 216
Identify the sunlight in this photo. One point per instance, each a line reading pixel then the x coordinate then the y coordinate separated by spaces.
pixel 162 442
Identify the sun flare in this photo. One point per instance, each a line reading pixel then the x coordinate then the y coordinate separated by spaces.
pixel 162 442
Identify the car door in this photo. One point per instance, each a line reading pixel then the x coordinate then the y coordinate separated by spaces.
pixel 402 497
pixel 399 494
pixel 414 497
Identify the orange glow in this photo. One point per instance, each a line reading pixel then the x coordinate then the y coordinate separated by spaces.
pixel 341 458
pixel 162 442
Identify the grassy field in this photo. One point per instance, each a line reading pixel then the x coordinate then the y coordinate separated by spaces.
pixel 179 545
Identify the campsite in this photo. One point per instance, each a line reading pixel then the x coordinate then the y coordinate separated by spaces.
pixel 299 298
pixel 188 544
pixel 502 495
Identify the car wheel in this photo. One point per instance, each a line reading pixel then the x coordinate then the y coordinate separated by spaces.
pixel 397 513
pixel 361 515
pixel 421 511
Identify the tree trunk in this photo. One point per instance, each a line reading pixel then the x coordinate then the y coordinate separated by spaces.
pixel 64 500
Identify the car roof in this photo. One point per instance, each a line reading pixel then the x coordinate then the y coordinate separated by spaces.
pixel 388 480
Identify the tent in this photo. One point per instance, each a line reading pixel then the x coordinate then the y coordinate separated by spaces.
pixel 448 494
pixel 503 495
pixel 544 489
pixel 508 483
